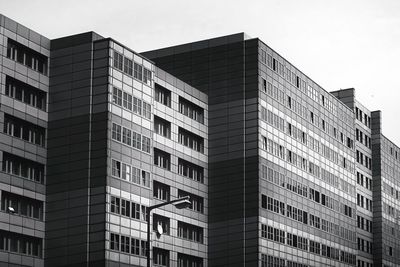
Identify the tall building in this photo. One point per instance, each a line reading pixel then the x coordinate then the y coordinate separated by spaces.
pixel 279 171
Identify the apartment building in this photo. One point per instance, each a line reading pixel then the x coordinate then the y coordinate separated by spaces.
pixel 279 171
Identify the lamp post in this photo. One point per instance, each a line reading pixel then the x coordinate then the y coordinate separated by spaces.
pixel 180 203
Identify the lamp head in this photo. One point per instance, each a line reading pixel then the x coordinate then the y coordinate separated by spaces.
pixel 183 203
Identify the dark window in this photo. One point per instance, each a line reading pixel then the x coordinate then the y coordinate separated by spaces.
pixel 162 127
pixel 191 140
pixel 191 110
pixel 163 222
pixel 190 170
pixel 162 159
pixel 23 167
pixel 25 93
pixel 160 257
pixel 161 191
pixel 185 260
pixel 162 95
pixel 190 232
pixel 25 130
pixel 27 56
pixel 21 244
pixel 22 206
pixel 118 58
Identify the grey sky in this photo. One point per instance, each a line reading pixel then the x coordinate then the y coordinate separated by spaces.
pixel 339 44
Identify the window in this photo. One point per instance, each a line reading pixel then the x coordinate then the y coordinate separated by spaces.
pixel 145 144
pixel 191 110
pixel 25 130
pixel 191 140
pixel 162 127
pixel 146 110
pixel 130 173
pixel 190 232
pixel 21 244
pixel 127 101
pixel 160 257
pixel 161 191
pixel 116 168
pixel 185 260
pixel 128 64
pixel 27 56
pixel 163 221
pixel 162 159
pixel 190 170
pixel 23 167
pixel 116 132
pixel 162 95
pixel 138 71
pixel 25 93
pixel 118 60
pixel 117 96
pixel 126 136
pixel 147 76
pixel 23 206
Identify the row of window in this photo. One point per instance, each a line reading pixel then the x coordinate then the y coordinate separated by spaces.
pixel 295 186
pixel 185 230
pixel 272 119
pixel 130 173
pixel 302 111
pixel 186 138
pixel 128 208
pixel 25 130
pixel 22 244
pixel 364 181
pixel 302 216
pixel 132 68
pixel 25 93
pixel 191 140
pixel 22 167
pixel 364 160
pixel 190 170
pixel 297 82
pixel 271 261
pixel 285 154
pixel 390 190
pixel 190 232
pixel 305 244
pixel 367 204
pixel 26 56
pixel 128 244
pixel 364 245
pixel 363 138
pixel 162 159
pixel 364 224
pixel 361 263
pixel 187 108
pixel 364 118
pixel 22 206
pixel 390 210
pixel 191 110
pixel 131 103
pixel 130 138
pixel 282 180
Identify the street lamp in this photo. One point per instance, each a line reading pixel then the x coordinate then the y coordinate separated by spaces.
pixel 180 203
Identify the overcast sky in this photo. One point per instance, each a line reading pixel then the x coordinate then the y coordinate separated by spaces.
pixel 338 43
